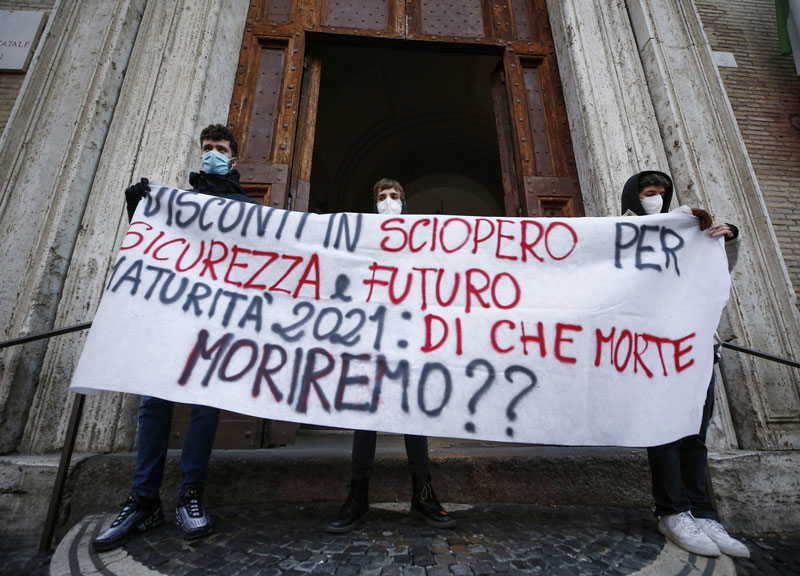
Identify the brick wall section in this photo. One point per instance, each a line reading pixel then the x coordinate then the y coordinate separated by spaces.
pixel 11 83
pixel 764 92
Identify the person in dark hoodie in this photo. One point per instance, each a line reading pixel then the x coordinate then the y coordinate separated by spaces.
pixel 679 469
pixel 142 510
pixel 389 198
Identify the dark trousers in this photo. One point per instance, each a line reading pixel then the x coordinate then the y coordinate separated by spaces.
pixel 155 419
pixel 679 471
pixel 364 442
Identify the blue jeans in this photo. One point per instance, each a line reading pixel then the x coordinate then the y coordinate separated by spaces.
pixel 155 419
pixel 679 470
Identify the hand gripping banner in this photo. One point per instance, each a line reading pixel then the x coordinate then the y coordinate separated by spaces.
pixel 584 331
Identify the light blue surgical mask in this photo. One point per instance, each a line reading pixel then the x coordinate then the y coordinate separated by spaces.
pixel 215 162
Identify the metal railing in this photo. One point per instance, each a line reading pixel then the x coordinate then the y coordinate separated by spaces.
pixel 43 335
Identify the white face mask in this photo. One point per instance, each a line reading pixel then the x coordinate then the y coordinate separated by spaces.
pixel 652 204
pixel 389 206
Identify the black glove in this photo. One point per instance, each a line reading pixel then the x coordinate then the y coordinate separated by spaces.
pixel 135 193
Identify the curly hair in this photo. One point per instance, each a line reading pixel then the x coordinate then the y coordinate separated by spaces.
pixel 220 132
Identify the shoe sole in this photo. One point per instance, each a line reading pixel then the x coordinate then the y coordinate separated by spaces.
pixel 348 528
pixel 114 544
pixel 433 523
pixel 692 549
pixel 730 552
pixel 194 535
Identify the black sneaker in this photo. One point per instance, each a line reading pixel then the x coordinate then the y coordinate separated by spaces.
pixel 138 515
pixel 190 515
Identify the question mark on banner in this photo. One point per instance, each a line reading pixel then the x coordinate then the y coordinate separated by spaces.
pixel 512 415
pixel 473 402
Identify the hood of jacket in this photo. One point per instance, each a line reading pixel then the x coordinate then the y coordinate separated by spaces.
pixel 630 194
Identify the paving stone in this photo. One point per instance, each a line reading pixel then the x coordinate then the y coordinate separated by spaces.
pixel 444 559
pixel 482 568
pixel 425 559
pixel 359 560
pixel 250 571
pixel 287 540
pixel 401 559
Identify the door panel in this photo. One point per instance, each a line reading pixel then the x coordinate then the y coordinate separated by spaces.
pixel 362 14
pixel 544 150
pixel 304 142
pixel 463 18
pixel 505 140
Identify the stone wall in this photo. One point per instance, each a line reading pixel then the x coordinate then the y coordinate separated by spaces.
pixel 764 91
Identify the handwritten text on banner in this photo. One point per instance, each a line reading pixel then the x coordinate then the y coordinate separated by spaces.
pixel 586 331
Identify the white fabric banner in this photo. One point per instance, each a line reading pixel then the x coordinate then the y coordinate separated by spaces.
pixel 582 331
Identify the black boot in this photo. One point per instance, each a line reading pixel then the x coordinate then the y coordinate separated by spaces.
pixel 425 505
pixel 354 508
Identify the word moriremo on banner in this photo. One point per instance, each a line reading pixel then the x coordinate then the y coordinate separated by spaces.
pixel 583 331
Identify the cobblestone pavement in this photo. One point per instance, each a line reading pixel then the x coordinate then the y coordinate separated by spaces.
pixel 489 539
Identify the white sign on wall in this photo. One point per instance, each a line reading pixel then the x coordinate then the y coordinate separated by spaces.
pixel 19 33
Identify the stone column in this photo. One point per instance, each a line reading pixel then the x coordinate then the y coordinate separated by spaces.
pixel 49 152
pixel 614 128
pixel 611 118
pixel 709 163
pixel 180 79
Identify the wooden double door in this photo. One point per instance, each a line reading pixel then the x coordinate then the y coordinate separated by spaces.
pixel 459 100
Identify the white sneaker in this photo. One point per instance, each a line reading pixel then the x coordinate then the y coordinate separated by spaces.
pixel 723 540
pixel 682 530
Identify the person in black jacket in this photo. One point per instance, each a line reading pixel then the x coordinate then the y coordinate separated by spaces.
pixel 389 198
pixel 679 469
pixel 143 510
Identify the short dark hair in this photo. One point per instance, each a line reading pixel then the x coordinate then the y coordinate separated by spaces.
pixel 385 184
pixel 653 179
pixel 220 132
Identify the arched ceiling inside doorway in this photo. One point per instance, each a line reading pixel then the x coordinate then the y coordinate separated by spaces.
pixel 423 117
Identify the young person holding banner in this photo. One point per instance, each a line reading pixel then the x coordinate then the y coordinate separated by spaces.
pixel 142 510
pixel 678 469
pixel 389 198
